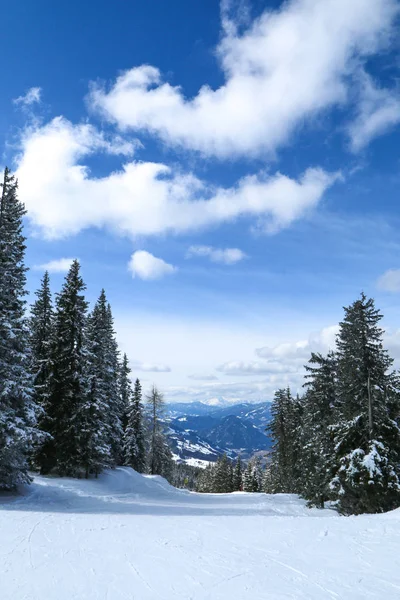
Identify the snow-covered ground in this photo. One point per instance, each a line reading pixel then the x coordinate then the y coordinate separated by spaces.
pixel 125 536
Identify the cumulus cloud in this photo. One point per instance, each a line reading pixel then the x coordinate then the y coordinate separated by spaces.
pixel 286 358
pixel 255 367
pixel 227 256
pixel 150 367
pixel 32 96
pixel 143 198
pixel 59 265
pixel 146 266
pixel 390 281
pixel 289 65
pixel 199 377
pixel 378 111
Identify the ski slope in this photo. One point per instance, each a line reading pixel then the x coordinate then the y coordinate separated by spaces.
pixel 130 537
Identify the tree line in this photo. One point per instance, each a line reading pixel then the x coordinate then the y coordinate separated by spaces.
pixel 67 403
pixel 340 441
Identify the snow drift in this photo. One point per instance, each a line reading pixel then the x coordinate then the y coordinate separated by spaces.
pixel 128 536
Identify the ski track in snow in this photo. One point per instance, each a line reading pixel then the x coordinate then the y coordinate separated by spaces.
pixel 130 537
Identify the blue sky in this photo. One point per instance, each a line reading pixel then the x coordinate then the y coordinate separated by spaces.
pixel 228 172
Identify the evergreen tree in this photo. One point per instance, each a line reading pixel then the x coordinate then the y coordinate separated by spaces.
pixel 134 438
pixel 94 410
pixel 317 447
pixel 69 385
pixel 116 409
pixel 41 339
pixel 18 411
pixel 159 455
pixel 238 476
pixel 223 476
pixel 366 430
pixel 284 429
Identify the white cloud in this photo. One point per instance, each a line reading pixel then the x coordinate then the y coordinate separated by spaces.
pixel 59 265
pixel 143 198
pixel 227 256
pixel 288 66
pixel 32 96
pixel 146 266
pixel 321 341
pixel 255 367
pixel 390 281
pixel 150 367
pixel 286 358
pixel 199 377
pixel 378 111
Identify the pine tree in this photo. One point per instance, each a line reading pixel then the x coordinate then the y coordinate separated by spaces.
pixel 41 339
pixel 69 385
pixel 134 438
pixel 116 407
pixel 366 430
pixel 18 411
pixel 125 390
pixel 223 476
pixel 238 476
pixel 317 440
pixel 94 410
pixel 159 454
pixel 284 429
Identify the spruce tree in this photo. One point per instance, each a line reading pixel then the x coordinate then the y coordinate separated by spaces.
pixel 18 411
pixel 69 385
pixel 41 339
pixel 134 437
pixel 94 411
pixel 284 429
pixel 117 409
pixel 238 476
pixel 317 440
pixel 223 476
pixel 366 430
pixel 159 454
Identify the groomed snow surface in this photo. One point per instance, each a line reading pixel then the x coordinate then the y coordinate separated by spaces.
pixel 127 536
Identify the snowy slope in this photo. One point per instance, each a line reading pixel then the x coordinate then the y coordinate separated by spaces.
pixel 125 536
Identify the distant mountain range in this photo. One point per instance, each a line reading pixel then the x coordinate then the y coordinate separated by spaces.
pixel 201 432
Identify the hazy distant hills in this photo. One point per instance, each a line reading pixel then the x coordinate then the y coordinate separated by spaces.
pixel 199 432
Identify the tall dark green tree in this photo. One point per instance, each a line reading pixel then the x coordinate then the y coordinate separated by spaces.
pixel 134 437
pixel 41 338
pixel 223 476
pixel 315 457
pixel 18 411
pixel 159 458
pixel 238 475
pixel 96 430
pixel 116 409
pixel 69 385
pixel 366 430
pixel 284 429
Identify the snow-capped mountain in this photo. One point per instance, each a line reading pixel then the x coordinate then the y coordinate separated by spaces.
pixel 199 433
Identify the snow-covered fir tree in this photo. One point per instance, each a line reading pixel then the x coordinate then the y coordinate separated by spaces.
pixel 69 384
pixel 366 429
pixel 116 408
pixel 159 459
pixel 253 476
pixel 237 483
pixel 134 437
pixel 223 476
pixel 18 411
pixel 317 450
pixel 41 337
pixel 284 429
pixel 94 411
